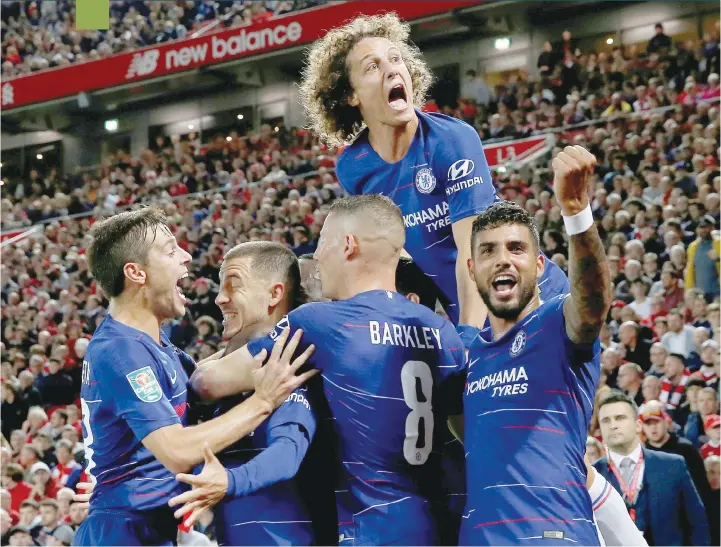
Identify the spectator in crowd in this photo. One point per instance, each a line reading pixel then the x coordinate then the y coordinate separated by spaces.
pixel 703 260
pixel 651 388
pixel 49 509
pixel 13 480
pixel 679 338
pixel 673 383
pixel 707 406
pixel 656 423
pixel 711 427
pixel 630 377
pixel 657 356
pixel 666 508
pixel 636 350
pixel 660 43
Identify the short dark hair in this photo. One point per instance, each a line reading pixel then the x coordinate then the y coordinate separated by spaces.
pixel 411 279
pixel 695 382
pixel 503 213
pixel 679 357
pixel 275 261
pixel 29 503
pixel 63 414
pixel 15 472
pixel 617 396
pixel 121 239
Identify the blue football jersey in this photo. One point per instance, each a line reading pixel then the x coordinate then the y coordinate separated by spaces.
pixel 131 386
pixel 386 364
pixel 271 510
pixel 527 403
pixel 442 179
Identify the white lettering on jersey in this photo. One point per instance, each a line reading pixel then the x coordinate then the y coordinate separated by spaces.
pixel 407 336
pixel 500 381
pixel 435 217
pixel 85 376
pixel 298 398
pixel 457 187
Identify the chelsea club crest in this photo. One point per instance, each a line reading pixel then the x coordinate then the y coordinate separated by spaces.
pixel 519 342
pixel 425 181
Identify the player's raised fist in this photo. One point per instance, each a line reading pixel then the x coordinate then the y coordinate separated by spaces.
pixel 572 170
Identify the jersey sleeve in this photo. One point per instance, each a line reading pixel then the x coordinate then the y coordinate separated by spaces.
pixel 297 409
pixel 131 377
pixel 464 173
pixel 452 372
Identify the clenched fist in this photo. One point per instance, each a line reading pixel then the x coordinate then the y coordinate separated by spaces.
pixel 572 170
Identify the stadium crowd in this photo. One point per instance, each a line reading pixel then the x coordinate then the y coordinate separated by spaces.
pixel 39 35
pixel 656 203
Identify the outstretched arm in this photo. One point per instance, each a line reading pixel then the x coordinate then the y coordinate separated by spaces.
pixel 586 309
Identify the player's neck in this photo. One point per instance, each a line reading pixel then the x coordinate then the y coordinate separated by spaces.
pixel 360 283
pixel 138 317
pixel 501 326
pixel 626 449
pixel 392 143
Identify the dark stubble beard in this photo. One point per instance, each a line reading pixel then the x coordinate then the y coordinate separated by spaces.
pixel 510 312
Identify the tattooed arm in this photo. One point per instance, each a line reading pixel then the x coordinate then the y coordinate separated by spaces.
pixel 587 308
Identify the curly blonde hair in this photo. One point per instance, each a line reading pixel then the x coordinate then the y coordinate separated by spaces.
pixel 325 85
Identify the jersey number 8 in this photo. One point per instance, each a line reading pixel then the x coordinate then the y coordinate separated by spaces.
pixel 416 450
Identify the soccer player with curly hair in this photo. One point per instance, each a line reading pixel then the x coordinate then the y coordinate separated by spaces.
pixel 363 86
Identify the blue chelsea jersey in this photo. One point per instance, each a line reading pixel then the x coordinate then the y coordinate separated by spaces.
pixel 131 386
pixel 386 365
pixel 442 179
pixel 527 402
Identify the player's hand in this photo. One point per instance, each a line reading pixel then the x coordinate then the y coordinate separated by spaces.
pixel 84 499
pixel 275 381
pixel 572 170
pixel 209 487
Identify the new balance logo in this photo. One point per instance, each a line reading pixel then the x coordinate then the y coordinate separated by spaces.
pixel 143 63
pixel 461 169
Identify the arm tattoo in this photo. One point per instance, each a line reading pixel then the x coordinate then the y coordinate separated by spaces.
pixel 590 279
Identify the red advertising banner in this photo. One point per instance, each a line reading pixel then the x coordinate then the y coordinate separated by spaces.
pixel 293 29
pixel 521 151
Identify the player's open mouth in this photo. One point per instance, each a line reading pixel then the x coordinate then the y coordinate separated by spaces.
pixel 504 284
pixel 179 291
pixel 227 316
pixel 397 97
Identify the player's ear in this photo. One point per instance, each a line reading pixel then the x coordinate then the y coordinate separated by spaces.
pixel 540 265
pixel 350 245
pixel 135 273
pixel 353 99
pixel 277 291
pixel 413 297
pixel 469 262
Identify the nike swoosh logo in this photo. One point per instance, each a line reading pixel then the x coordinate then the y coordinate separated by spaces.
pixel 174 377
pixel 473 362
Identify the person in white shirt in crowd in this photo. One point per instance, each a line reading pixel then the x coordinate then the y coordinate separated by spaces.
pixel 679 338
pixel 641 303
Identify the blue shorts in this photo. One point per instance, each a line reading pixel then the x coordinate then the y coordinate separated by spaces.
pixel 117 527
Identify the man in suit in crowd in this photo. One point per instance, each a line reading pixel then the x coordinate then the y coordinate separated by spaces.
pixel 656 486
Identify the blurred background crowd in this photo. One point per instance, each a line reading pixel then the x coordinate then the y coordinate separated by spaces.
pixel 656 202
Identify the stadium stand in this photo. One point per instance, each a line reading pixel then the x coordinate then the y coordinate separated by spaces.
pixel 40 35
pixel 650 117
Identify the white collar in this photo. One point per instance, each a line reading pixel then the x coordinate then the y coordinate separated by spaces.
pixel 635 455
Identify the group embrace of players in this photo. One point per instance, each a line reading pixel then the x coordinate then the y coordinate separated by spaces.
pixel 329 422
